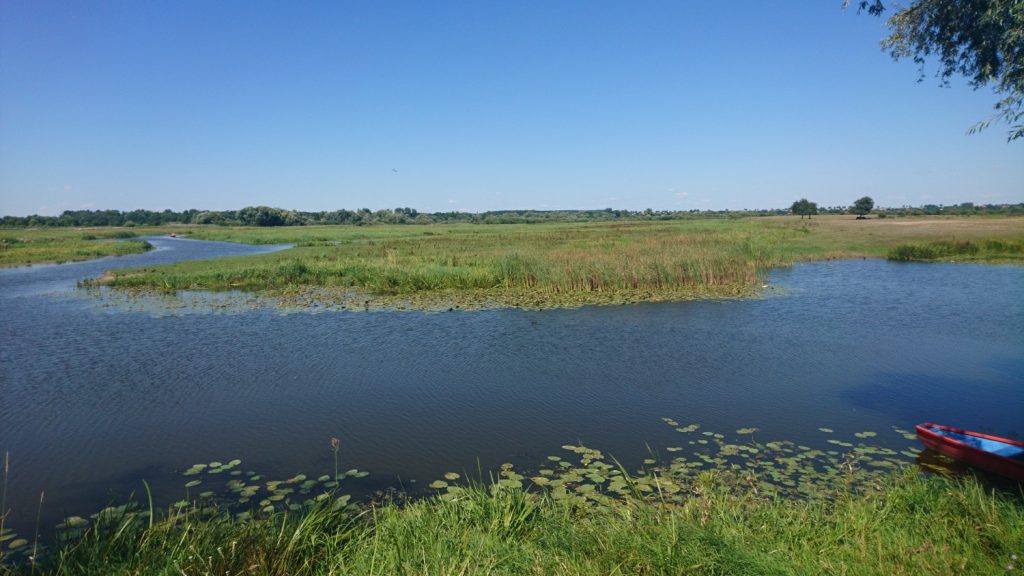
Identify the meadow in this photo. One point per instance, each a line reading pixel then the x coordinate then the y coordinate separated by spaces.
pixel 561 264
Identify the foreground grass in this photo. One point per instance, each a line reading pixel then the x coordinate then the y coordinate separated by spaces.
pixel 21 247
pixel 905 524
pixel 544 265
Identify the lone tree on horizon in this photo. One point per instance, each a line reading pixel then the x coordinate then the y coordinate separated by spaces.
pixel 803 207
pixel 862 206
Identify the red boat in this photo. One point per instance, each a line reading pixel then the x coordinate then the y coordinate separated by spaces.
pixel 997 455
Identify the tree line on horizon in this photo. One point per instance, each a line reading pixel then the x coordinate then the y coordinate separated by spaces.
pixel 269 216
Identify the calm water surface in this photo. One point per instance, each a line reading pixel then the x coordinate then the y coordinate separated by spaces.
pixel 94 398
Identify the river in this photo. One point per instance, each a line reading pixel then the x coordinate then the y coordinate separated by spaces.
pixel 95 396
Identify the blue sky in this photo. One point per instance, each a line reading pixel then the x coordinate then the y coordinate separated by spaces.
pixel 478 106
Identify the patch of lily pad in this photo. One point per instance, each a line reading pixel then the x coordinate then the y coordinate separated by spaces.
pixel 583 476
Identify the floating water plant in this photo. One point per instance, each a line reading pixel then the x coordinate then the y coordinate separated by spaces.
pixel 335 446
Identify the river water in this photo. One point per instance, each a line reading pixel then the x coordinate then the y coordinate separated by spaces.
pixel 95 397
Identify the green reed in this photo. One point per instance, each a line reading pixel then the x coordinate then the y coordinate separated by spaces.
pixel 20 247
pixel 540 265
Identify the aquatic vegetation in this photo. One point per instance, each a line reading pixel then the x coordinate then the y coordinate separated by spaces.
pixel 537 265
pixel 21 247
pixel 991 250
pixel 335 446
pixel 731 505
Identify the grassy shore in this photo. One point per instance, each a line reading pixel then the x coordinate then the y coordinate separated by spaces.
pixel 550 265
pixel 727 505
pixel 22 247
pixel 905 525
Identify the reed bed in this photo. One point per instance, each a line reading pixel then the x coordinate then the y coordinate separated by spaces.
pixel 960 250
pixel 543 265
pixel 21 247
pixel 534 265
pixel 557 264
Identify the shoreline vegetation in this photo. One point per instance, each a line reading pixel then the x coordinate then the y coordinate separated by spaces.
pixel 541 265
pixel 732 505
pixel 57 246
pixel 549 265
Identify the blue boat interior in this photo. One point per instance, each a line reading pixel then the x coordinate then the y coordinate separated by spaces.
pixel 992 446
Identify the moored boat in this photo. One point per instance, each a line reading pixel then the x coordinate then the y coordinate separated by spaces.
pixel 997 455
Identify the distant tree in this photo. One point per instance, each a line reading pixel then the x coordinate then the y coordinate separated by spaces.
pixel 982 40
pixel 803 207
pixel 261 216
pixel 862 206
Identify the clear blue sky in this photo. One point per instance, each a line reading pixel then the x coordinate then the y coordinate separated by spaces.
pixel 478 106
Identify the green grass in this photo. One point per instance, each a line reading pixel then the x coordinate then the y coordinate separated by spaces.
pixel 730 505
pixel 545 265
pixel 906 525
pixel 21 247
pixel 531 265
pixel 960 251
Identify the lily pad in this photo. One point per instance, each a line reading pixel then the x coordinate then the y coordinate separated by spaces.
pixel 193 483
pixel 73 522
pixel 840 443
pixel 340 503
pixel 438 484
pixel 19 543
pixel 451 476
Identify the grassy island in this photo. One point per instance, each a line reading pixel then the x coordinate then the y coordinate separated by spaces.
pixel 19 247
pixel 559 264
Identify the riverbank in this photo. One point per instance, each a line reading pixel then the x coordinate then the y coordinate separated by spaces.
pixel 733 506
pixel 905 524
pixel 556 265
